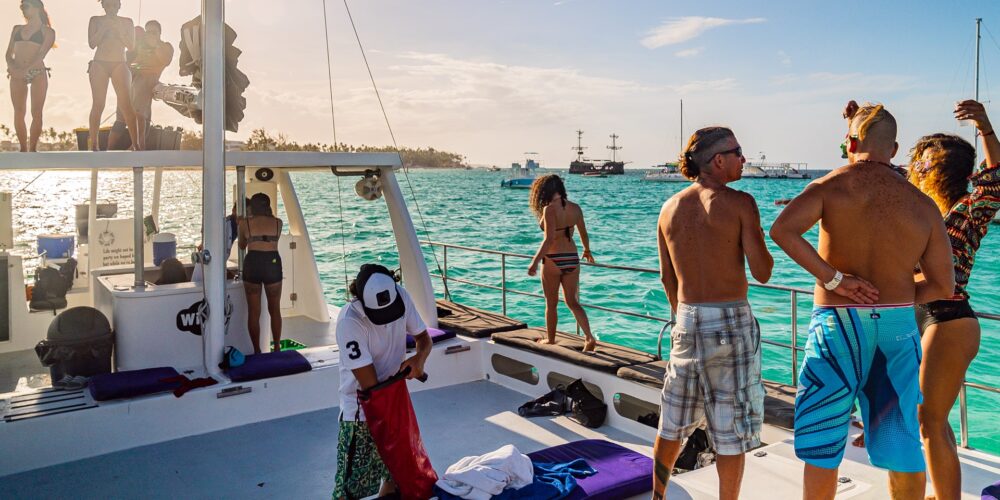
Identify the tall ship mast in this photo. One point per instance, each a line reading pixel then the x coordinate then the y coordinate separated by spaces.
pixel 582 165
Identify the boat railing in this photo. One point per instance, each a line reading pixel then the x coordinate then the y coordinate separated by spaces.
pixel 793 293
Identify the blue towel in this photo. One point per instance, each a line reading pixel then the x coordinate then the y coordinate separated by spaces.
pixel 551 482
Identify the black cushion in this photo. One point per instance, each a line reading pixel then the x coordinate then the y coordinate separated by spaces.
pixel 608 357
pixel 133 383
pixel 650 374
pixel 472 322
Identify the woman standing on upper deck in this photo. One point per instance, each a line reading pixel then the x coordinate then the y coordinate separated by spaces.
pixel 259 234
pixel 29 43
pixel 110 35
pixel 558 216
pixel 942 166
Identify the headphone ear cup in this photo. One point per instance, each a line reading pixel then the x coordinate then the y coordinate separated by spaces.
pixel 397 275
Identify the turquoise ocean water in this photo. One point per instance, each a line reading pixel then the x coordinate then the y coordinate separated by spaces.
pixel 469 208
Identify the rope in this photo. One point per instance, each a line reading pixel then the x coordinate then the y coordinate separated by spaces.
pixel 395 146
pixel 329 76
pixel 343 239
pixel 28 184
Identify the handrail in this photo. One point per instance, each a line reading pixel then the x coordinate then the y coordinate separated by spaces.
pixel 794 293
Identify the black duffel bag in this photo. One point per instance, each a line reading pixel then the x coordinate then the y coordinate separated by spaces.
pixel 585 408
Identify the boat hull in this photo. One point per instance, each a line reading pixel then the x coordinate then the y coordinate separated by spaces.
pixel 519 183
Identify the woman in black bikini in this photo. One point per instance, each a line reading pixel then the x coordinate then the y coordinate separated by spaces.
pixel 29 43
pixel 558 216
pixel 110 35
pixel 259 235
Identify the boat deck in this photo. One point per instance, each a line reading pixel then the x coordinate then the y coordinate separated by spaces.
pixel 295 457
pixel 21 371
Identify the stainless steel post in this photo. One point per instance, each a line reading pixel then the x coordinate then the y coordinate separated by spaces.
pixel 241 212
pixel 963 406
pixel 138 228
pixel 795 337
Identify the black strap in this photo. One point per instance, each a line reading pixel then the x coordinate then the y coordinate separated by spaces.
pixel 350 455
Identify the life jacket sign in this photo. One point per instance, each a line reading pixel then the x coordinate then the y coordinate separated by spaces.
pixel 190 319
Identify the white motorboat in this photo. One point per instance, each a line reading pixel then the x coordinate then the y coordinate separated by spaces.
pixel 667 172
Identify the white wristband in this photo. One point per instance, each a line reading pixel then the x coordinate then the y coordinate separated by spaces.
pixel 835 282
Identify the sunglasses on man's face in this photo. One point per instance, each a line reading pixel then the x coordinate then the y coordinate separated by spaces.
pixel 738 150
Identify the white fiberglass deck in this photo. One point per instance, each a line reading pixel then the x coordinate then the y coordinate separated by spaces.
pixel 295 457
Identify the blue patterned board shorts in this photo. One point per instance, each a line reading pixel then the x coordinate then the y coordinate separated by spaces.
pixel 367 468
pixel 869 353
pixel 713 375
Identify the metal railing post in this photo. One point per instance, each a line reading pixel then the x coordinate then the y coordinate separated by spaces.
pixel 963 408
pixel 503 284
pixel 444 272
pixel 795 337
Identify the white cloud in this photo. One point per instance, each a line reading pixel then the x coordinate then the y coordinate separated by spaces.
pixel 682 29
pixel 699 86
pixel 689 52
pixel 784 58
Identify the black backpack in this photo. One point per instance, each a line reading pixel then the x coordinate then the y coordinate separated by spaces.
pixel 51 286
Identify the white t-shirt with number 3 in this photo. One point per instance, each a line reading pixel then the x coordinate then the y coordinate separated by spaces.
pixel 363 343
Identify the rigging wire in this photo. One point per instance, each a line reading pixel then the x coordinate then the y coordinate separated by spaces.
pixel 19 191
pixel 961 66
pixel 333 125
pixel 343 239
pixel 395 146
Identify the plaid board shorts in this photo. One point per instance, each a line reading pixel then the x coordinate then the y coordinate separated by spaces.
pixel 367 469
pixel 714 374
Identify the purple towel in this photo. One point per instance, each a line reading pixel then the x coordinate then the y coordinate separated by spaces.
pixel 132 383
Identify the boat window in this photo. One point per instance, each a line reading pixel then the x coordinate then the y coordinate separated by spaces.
pixel 637 409
pixel 515 369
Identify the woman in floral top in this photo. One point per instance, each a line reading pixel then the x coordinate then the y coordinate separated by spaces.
pixel 942 166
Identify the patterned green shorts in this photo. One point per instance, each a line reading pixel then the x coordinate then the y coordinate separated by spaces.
pixel 367 469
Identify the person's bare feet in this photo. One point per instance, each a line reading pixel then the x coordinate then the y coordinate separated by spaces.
pixel 547 341
pixel 590 345
pixel 860 440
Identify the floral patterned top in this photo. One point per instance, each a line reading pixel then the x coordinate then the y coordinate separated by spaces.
pixel 968 221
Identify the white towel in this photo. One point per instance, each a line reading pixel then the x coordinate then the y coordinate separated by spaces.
pixel 481 477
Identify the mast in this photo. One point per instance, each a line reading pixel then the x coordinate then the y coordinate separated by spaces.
pixel 975 133
pixel 579 146
pixel 682 124
pixel 213 182
pixel 614 147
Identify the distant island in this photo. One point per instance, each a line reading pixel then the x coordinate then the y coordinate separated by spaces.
pixel 259 140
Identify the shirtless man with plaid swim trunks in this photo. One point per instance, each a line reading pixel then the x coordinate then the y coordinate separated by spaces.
pixel 706 234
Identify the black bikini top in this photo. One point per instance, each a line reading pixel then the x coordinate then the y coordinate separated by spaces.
pixel 267 238
pixel 38 37
pixel 568 229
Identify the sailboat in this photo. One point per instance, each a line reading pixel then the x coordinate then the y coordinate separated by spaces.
pixel 274 434
pixel 668 172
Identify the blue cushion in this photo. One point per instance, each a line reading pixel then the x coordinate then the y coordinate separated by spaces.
pixel 436 336
pixel 132 383
pixel 269 364
pixel 621 473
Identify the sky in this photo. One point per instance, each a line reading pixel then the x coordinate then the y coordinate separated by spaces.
pixel 494 79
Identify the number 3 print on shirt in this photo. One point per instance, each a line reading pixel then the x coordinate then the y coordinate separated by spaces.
pixel 354 353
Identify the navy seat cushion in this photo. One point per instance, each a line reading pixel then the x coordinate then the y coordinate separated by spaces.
pixel 436 336
pixel 269 364
pixel 132 383
pixel 621 473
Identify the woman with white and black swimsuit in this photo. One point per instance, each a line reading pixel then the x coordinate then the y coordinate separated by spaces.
pixel 29 44
pixel 259 235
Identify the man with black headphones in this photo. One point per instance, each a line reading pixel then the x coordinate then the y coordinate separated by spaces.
pixel 371 333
